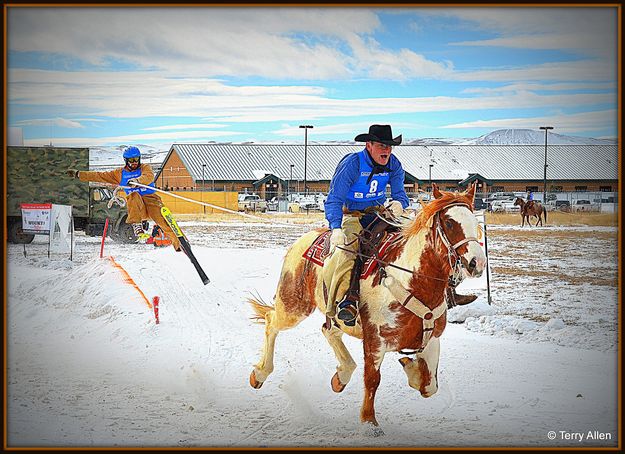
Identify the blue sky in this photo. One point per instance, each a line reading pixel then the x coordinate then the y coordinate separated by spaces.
pixel 155 75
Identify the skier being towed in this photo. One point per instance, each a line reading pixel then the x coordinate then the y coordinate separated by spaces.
pixel 142 203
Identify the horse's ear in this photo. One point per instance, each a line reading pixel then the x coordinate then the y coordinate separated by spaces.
pixel 471 192
pixel 435 192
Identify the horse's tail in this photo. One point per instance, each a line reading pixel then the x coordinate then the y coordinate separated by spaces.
pixel 260 309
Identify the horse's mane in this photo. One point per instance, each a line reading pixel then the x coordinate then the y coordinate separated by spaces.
pixel 424 218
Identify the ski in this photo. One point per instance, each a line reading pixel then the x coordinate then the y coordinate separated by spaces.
pixel 184 244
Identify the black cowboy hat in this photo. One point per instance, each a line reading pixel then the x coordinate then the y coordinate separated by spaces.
pixel 379 133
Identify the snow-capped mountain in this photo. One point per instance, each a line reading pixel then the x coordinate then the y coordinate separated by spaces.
pixel 531 137
pixel 103 158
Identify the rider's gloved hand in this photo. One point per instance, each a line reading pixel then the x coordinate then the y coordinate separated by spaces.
pixel 72 173
pixel 337 239
pixel 396 208
pixel 132 182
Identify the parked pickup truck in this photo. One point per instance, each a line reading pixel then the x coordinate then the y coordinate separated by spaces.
pixel 251 202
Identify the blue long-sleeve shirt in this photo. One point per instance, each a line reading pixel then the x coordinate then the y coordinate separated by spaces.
pixel 346 174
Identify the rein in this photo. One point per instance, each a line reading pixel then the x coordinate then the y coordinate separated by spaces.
pixel 452 252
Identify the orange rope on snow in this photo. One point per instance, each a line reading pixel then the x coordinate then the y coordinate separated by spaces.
pixel 129 280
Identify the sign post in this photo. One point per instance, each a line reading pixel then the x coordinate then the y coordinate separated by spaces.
pixel 56 221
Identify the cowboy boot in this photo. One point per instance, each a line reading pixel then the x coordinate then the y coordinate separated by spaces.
pixel 348 307
pixel 459 300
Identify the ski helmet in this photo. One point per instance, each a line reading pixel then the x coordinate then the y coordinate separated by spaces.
pixel 132 152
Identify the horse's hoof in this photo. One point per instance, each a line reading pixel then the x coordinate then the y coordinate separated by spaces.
pixel 337 386
pixel 404 361
pixel 373 430
pixel 253 382
pixel 377 432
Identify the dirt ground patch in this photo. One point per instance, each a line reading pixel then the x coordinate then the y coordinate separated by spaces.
pixel 556 218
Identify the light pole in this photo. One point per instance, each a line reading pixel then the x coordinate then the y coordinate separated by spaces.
pixel 546 128
pixel 203 186
pixel 431 165
pixel 288 186
pixel 305 128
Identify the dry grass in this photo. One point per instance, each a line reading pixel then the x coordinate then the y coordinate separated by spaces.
pixel 557 218
pixel 560 235
pixel 556 275
pixel 295 218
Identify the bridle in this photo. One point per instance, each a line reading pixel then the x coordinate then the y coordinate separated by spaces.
pixel 453 257
pixel 416 306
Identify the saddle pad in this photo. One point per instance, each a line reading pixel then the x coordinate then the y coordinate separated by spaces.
pixel 372 265
pixel 319 250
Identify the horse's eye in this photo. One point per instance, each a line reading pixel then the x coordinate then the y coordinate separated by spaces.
pixel 448 224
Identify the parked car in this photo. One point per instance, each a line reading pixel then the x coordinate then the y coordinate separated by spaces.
pixel 500 196
pixel 585 205
pixel 312 202
pixel 504 206
pixel 251 202
pixel 562 205
pixel 274 203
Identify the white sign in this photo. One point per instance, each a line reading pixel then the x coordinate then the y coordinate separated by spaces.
pixel 36 218
pixel 62 233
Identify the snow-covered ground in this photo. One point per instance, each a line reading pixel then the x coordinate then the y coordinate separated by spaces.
pixel 88 366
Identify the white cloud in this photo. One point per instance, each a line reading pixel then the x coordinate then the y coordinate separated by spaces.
pixel 587 71
pixel 278 43
pixel 584 30
pixel 137 95
pixel 185 126
pixel 587 121
pixel 59 122
pixel 185 136
pixel 541 87
pixel 342 129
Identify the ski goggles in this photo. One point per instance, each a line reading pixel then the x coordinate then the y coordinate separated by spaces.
pixel 133 160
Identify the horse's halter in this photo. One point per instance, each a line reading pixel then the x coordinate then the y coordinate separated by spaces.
pixel 452 249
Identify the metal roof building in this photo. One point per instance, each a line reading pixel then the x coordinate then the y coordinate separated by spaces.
pixel 251 162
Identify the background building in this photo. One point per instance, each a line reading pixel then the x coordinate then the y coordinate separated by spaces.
pixel 274 169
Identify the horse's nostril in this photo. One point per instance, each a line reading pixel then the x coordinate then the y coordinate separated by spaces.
pixel 472 264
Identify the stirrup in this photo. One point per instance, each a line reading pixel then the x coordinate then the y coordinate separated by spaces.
pixel 348 312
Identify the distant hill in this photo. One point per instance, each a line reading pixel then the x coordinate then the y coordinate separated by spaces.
pixel 104 158
pixel 515 137
pixel 532 137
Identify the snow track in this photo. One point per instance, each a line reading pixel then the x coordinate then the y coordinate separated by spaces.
pixel 88 366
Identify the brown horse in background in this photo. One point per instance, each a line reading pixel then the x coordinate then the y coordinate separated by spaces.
pixel 531 208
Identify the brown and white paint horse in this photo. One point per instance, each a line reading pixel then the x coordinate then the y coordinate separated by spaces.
pixel 402 306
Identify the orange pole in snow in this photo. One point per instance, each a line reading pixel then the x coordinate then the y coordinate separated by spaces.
pixel 129 280
pixel 155 302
